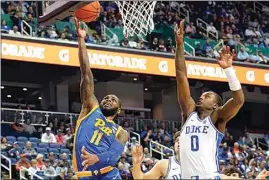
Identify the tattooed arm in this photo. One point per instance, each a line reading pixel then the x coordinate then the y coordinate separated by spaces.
pixel 88 99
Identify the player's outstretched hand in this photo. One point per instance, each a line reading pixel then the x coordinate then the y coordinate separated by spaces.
pixel 179 33
pixel 81 32
pixel 225 59
pixel 137 154
pixel 88 159
pixel 263 175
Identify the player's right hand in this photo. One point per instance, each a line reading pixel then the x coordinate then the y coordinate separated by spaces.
pixel 137 154
pixel 179 33
pixel 80 32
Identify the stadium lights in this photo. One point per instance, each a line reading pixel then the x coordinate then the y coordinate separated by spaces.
pixel 24 89
pixel 146 89
pixel 9 96
pixel 2 87
pixel 39 98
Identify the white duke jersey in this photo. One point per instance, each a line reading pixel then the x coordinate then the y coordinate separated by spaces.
pixel 174 169
pixel 199 143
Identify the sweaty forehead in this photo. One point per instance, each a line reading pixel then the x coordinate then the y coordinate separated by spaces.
pixel 112 96
pixel 207 93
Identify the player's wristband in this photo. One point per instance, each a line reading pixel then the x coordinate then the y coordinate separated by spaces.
pixel 232 79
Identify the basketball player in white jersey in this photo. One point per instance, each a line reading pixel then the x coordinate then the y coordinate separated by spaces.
pixel 165 168
pixel 204 122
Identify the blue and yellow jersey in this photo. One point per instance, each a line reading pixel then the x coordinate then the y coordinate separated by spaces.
pixel 96 134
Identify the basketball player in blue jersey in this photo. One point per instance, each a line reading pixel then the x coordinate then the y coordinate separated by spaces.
pixel 96 131
pixel 203 122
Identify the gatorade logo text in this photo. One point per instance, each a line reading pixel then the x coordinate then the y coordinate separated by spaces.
pixel 206 71
pixel 163 66
pixel 250 75
pixel 23 51
pixel 117 61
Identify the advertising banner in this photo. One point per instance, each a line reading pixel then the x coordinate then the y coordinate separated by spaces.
pixel 126 62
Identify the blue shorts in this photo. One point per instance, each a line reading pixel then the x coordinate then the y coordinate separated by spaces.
pixel 114 174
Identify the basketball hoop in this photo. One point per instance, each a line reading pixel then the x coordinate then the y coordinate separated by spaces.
pixel 137 17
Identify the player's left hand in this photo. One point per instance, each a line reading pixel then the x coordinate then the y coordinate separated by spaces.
pixel 88 158
pixel 226 57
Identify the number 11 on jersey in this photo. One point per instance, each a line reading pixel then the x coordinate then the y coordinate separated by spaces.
pixel 96 137
pixel 194 143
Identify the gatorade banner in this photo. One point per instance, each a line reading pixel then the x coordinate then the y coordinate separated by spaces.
pixel 126 61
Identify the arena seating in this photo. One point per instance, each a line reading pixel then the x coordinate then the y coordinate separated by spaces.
pixel 224 16
pixel 165 16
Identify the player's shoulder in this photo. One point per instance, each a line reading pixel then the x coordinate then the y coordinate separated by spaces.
pixel 86 112
pixel 122 135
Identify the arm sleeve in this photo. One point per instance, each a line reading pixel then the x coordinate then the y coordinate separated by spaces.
pixel 111 157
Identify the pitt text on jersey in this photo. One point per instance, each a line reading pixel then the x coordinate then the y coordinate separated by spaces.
pixel 101 129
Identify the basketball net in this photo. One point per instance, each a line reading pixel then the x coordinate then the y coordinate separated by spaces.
pixel 137 17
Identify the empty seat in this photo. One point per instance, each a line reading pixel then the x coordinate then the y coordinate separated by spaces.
pixel 67 151
pixel 34 139
pixel 11 138
pixel 43 145
pixel 4 153
pixel 63 146
pixel 22 139
pixel 34 144
pixel 55 146
pixel 42 150
pixel 10 142
pixel 54 150
pixel 21 144
pixel 13 161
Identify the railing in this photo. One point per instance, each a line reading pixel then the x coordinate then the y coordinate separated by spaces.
pixel 24 23
pixel 219 46
pixel 9 165
pixel 36 117
pixel 239 46
pixel 259 6
pixel 193 50
pixel 104 30
pixel 162 148
pixel 137 138
pixel 261 143
pixel 23 169
pixel 184 12
pixel 204 27
pixel 138 124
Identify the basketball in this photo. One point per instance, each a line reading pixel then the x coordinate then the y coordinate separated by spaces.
pixel 89 12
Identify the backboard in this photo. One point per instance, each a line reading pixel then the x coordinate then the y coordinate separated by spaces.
pixel 51 11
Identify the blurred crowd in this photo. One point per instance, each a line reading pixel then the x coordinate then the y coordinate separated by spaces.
pixel 236 23
pixel 49 154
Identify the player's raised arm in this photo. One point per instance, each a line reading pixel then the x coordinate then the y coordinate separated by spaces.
pixel 185 100
pixel 155 173
pixel 88 99
pixel 232 106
